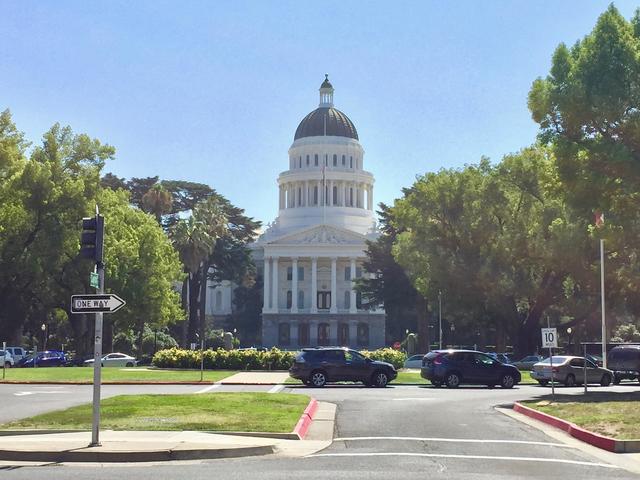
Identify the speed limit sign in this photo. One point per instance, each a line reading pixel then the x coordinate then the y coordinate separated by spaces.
pixel 549 338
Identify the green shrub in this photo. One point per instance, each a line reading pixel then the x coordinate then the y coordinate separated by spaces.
pixel 389 355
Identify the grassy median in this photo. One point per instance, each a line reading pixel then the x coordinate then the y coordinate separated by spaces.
pixel 111 374
pixel 612 414
pixel 247 412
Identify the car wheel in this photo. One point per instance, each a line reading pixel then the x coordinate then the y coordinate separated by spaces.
pixel 543 383
pixel 616 380
pixel 129 364
pixel 452 380
pixel 570 381
pixel 436 383
pixel 605 381
pixel 318 379
pixel 507 381
pixel 380 379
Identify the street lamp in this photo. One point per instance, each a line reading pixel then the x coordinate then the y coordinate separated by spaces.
pixel 453 329
pixel 440 315
pixel 43 327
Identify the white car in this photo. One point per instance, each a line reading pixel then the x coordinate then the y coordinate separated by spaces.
pixel 18 353
pixel 8 359
pixel 115 360
pixel 415 361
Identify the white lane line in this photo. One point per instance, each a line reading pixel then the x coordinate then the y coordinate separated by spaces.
pixel 416 399
pixel 21 394
pixel 453 440
pixel 472 457
pixel 275 389
pixel 209 388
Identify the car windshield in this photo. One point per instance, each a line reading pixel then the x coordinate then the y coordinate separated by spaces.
pixel 556 360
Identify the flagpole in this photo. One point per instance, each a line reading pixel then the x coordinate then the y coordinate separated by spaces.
pixel 604 324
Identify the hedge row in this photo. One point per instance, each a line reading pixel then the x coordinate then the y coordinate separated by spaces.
pixel 273 359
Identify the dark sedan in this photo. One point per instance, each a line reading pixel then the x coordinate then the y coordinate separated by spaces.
pixel 49 358
pixel 456 367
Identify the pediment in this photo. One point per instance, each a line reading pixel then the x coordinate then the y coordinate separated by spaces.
pixel 321 235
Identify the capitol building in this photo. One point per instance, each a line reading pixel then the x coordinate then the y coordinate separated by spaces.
pixel 310 255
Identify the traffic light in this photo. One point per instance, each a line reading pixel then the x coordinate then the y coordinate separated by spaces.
pixel 92 238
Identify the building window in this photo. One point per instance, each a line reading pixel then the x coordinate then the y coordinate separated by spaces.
pixel 343 335
pixel 350 162
pixel 300 162
pixel 358 272
pixel 351 197
pixel 326 160
pixel 307 160
pixel 289 273
pixel 218 300
pixel 303 334
pixel 301 273
pixel 347 299
pixel 315 195
pixel 335 195
pixel 323 334
pixel 363 335
pixel 300 299
pixel 343 160
pixel 288 298
pixel 299 196
pixel 284 334
pixel 335 160
pixel 358 300
pixel 315 159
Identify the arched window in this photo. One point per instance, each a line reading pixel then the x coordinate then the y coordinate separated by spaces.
pixel 323 334
pixel 363 335
pixel 299 196
pixel 358 300
pixel 343 334
pixel 351 197
pixel 300 162
pixel 284 334
pixel 347 299
pixel 315 159
pixel 335 195
pixel 315 195
pixel 303 334
pixel 326 159
pixel 301 299
pixel 289 299
pixel 307 160
pixel 218 300
pixel 350 162
pixel 343 160
pixel 335 160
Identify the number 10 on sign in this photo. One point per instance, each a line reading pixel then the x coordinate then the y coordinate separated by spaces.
pixel 549 338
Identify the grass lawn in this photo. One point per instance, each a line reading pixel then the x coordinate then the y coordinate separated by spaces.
pixel 247 412
pixel 112 374
pixel 612 414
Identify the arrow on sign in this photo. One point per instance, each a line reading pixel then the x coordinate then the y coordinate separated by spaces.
pixel 107 303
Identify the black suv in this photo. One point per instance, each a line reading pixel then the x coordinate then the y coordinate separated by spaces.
pixel 624 360
pixel 317 366
pixel 454 367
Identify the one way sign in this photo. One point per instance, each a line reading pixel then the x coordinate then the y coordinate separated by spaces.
pixel 107 303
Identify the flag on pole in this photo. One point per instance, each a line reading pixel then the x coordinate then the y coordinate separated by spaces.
pixel 599 217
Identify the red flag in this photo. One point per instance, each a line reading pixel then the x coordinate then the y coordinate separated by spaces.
pixel 599 218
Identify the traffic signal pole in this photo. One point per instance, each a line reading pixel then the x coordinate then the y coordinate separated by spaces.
pixel 97 366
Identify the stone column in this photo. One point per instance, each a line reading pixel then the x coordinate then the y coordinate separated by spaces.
pixel 352 299
pixel 306 193
pixel 314 286
pixel 294 285
pixel 331 193
pixel 267 281
pixel 274 287
pixel 334 287
pixel 353 333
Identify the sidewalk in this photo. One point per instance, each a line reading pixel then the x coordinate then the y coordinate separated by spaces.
pixel 158 446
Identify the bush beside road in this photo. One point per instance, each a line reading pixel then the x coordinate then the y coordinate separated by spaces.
pixel 246 412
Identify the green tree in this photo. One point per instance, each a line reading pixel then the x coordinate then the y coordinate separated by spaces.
pixel 157 201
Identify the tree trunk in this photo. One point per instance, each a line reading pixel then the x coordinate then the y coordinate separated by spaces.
pixel 184 330
pixel 194 291
pixel 203 300
pixel 422 317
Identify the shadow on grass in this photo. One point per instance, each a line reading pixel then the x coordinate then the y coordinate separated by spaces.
pixel 589 397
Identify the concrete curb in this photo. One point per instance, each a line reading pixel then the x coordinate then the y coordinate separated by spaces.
pixel 161 455
pixel 302 427
pixel 600 441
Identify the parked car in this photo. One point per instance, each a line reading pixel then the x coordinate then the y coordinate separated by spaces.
pixel 115 360
pixel 7 358
pixel 527 362
pixel 414 361
pixel 569 370
pixel 18 353
pixel 48 358
pixel 455 367
pixel 317 366
pixel 624 361
pixel 597 359
pixel 501 357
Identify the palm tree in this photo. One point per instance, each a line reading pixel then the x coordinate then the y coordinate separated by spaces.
pixel 157 201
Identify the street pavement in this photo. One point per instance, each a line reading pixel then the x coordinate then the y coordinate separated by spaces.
pixel 397 432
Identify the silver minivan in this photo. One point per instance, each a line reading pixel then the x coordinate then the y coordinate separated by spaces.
pixel 18 353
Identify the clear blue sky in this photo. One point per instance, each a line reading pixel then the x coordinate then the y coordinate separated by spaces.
pixel 213 91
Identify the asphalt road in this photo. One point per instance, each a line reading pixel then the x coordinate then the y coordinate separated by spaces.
pixel 397 432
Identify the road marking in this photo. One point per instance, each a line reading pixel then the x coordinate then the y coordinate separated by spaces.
pixel 416 399
pixel 472 457
pixel 22 394
pixel 452 440
pixel 275 389
pixel 209 388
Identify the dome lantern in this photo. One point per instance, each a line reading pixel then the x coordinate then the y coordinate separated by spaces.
pixel 326 93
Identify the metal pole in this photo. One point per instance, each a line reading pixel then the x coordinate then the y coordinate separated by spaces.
pixel 553 388
pixel 202 358
pixel 604 323
pixel 585 368
pixel 97 366
pixel 440 315
pixel 4 359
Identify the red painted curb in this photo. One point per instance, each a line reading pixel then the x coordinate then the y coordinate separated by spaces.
pixel 600 441
pixel 302 427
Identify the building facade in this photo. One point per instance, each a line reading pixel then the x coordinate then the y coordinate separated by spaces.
pixel 311 254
